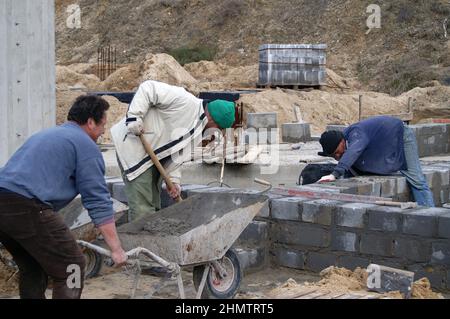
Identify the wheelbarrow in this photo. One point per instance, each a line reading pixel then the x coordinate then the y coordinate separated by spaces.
pixel 197 232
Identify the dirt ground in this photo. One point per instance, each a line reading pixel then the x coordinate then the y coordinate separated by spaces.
pixel 270 283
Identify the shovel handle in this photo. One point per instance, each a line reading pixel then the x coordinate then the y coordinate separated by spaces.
pixel 262 182
pixel 158 165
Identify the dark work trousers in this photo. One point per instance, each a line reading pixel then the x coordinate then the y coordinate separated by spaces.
pixel 42 246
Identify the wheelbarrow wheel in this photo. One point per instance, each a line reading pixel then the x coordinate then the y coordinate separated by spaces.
pixel 216 287
pixel 94 262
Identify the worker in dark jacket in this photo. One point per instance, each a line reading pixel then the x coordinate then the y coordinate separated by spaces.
pixel 43 176
pixel 380 145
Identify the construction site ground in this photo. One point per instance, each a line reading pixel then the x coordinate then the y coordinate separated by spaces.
pixel 270 283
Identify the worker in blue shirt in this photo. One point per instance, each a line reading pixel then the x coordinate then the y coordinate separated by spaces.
pixel 380 145
pixel 43 176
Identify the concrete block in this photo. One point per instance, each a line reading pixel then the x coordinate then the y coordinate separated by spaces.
pixel 380 245
pixel 412 249
pixel 110 181
pixel 206 190
pixel 441 253
pixel 287 208
pixel 299 234
pixel 252 259
pixel 389 187
pixel 423 222
pixel 319 261
pixel 397 263
pixel 289 258
pixel 118 192
pixel 344 241
pixel 186 191
pixel 382 218
pixel 402 185
pixel 444 225
pixel 256 232
pixel 352 262
pixel 448 280
pixel 444 195
pixel 436 276
pixel 374 188
pixel 265 211
pixel 431 177
pixel 296 132
pixel 319 211
pixel 384 279
pixel 442 175
pixel 262 120
pixel 352 214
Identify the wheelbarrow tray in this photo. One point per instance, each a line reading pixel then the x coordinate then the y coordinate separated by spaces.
pixel 76 217
pixel 199 229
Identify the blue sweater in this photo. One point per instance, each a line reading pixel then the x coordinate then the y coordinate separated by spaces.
pixel 374 146
pixel 56 165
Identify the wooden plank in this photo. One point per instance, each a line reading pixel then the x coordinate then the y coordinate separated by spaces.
pixel 313 295
pixel 296 294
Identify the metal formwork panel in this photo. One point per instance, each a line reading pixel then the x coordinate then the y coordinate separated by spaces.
pixel 27 71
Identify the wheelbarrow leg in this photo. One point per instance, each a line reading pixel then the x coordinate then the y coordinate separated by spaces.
pixel 203 282
pixel 137 278
pixel 180 285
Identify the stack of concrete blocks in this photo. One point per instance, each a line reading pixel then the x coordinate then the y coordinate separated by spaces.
pixel 438 178
pixel 432 139
pixel 292 64
pixel 296 132
pixel 308 234
pixel 315 234
pixel 262 128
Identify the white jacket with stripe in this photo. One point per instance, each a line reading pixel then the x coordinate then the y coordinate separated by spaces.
pixel 173 120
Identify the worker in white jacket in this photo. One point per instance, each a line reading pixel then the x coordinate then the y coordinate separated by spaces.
pixel 170 118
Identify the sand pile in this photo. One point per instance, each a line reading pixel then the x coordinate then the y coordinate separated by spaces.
pixel 66 78
pixel 83 68
pixel 429 102
pixel 338 83
pixel 321 108
pixel 218 76
pixel 126 78
pixel 340 280
pixel 163 67
pixel 422 290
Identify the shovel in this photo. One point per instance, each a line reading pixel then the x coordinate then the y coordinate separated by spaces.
pixel 158 165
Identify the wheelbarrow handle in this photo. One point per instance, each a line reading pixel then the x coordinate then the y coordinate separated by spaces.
pixel 132 254
pixel 158 165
